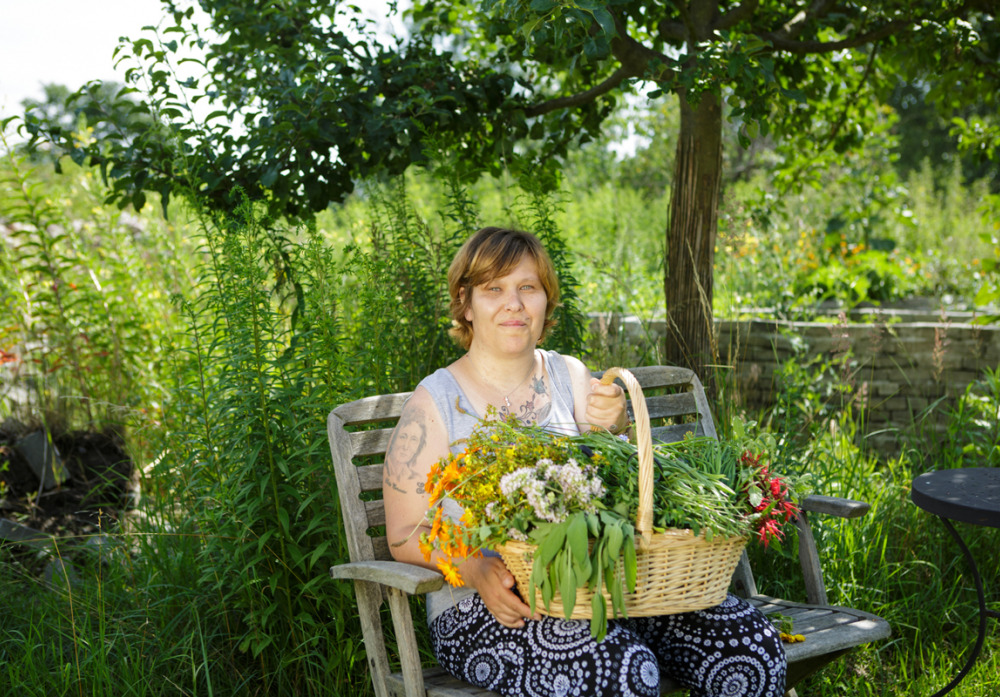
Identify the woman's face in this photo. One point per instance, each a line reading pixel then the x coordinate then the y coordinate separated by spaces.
pixel 508 313
pixel 407 442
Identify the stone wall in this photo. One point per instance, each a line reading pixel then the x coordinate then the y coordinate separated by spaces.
pixel 899 365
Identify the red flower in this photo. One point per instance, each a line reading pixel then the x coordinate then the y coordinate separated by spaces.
pixel 770 530
pixel 776 488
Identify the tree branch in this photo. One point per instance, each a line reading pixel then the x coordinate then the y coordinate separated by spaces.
pixel 793 27
pixel 585 97
pixel 736 15
pixel 780 42
pixel 634 58
pixel 854 98
pixel 672 31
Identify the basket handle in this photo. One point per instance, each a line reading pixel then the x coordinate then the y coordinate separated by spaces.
pixel 644 441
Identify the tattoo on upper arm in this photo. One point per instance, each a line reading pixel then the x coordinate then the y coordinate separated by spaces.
pixel 408 441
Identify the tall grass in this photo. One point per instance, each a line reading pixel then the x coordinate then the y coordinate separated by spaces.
pixel 86 318
pixel 898 561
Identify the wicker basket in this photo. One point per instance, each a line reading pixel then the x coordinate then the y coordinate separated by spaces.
pixel 676 570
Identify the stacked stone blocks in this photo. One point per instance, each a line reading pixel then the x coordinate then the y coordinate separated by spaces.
pixel 899 367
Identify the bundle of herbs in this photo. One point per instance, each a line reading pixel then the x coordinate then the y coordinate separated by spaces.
pixel 575 499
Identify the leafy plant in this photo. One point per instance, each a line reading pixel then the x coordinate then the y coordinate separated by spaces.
pixel 259 371
pixel 862 276
pixel 988 294
pixel 84 297
pixel 974 425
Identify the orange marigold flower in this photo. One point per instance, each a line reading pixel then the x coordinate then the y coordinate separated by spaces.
pixel 445 537
pixel 450 571
pixel 426 548
pixel 434 472
pixel 436 525
pixel 451 477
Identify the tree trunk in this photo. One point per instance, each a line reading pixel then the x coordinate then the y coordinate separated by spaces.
pixel 691 232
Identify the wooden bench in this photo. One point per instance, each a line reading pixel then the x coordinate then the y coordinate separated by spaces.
pixel 677 404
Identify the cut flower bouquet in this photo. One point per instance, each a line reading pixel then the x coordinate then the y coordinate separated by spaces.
pixel 564 508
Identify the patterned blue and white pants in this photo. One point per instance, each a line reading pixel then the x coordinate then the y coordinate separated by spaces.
pixel 730 650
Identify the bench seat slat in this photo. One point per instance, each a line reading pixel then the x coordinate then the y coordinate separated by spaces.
pixel 827 628
pixel 367 443
pixel 381 545
pixel 375 512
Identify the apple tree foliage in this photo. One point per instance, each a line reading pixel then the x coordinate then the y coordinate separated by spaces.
pixel 295 101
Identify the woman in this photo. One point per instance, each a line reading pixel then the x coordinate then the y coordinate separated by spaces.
pixel 503 291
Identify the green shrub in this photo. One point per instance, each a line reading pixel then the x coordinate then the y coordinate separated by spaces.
pixel 84 292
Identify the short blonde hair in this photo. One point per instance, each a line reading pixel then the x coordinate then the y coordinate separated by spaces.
pixel 490 253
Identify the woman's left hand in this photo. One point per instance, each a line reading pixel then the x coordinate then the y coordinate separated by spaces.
pixel 606 406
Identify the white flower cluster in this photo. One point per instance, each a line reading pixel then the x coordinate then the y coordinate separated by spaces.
pixel 554 491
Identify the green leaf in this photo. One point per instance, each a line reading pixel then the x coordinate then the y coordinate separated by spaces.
pixel 543 5
pixel 318 552
pixel 598 617
pixel 631 565
pixel 549 588
pixel 532 593
pixel 576 536
pixel 607 22
pixel 616 591
pixel 615 536
pixel 550 543
pixel 567 587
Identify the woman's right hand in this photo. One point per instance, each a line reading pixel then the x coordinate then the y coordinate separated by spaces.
pixel 495 585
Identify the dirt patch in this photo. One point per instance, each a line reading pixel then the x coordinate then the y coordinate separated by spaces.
pixel 99 487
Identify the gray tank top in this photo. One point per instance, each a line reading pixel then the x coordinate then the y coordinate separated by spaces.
pixel 460 418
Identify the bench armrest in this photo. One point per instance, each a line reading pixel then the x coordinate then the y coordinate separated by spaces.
pixel 812 571
pixel 409 578
pixel 833 505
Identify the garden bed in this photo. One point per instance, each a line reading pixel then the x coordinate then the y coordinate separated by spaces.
pixel 100 484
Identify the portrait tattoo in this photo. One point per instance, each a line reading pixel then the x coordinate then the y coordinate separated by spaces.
pixel 408 441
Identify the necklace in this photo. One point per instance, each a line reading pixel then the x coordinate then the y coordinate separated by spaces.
pixel 506 399
pixel 531 370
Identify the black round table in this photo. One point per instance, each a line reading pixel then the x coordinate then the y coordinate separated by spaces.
pixel 967 495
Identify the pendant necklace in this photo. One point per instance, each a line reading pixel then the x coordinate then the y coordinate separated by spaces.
pixel 506 399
